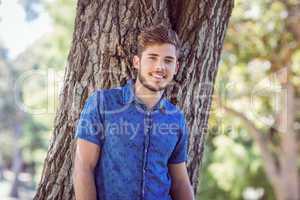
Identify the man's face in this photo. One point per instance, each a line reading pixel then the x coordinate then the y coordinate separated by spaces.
pixel 157 66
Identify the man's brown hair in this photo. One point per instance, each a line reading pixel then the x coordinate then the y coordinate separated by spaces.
pixel 157 34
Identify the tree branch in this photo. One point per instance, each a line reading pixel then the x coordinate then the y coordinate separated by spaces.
pixel 261 141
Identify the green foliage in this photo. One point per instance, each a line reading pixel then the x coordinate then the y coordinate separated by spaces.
pixel 255 46
pixel 231 163
pixel 58 45
pixel 38 72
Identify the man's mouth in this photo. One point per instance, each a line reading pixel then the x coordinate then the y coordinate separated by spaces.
pixel 158 75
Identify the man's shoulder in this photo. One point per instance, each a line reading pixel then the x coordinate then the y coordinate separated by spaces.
pixel 173 108
pixel 109 96
pixel 106 92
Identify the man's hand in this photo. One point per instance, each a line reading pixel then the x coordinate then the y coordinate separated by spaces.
pixel 181 188
pixel 86 158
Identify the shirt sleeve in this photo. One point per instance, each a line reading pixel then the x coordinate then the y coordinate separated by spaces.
pixel 90 125
pixel 179 153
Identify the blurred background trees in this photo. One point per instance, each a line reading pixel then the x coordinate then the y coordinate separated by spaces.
pixel 253 138
pixel 254 146
pixel 29 85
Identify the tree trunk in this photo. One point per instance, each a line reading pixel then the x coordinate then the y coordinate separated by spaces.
pixel 17 166
pixel 17 159
pixel 1 168
pixel 100 57
pixel 288 173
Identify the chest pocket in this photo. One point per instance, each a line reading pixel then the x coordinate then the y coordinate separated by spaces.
pixel 122 135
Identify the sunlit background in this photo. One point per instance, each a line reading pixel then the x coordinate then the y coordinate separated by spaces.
pixel 35 37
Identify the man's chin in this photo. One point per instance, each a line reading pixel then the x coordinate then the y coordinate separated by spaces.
pixel 152 84
pixel 154 87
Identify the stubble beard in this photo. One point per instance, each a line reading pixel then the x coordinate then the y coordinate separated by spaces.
pixel 143 81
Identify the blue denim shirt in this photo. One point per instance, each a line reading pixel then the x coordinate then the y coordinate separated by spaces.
pixel 136 144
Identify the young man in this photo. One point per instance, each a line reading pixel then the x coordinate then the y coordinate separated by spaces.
pixel 132 142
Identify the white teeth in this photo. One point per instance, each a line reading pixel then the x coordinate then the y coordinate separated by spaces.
pixel 157 76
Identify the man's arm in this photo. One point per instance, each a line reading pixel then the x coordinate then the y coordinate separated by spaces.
pixel 86 157
pixel 181 188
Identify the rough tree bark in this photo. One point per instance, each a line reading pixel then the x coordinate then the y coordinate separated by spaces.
pixel 100 57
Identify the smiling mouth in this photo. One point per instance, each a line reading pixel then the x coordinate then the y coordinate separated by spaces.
pixel 158 76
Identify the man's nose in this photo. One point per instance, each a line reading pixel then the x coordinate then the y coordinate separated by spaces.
pixel 160 65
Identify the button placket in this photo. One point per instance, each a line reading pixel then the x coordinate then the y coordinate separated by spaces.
pixel 148 124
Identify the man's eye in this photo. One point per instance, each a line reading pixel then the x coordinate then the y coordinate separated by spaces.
pixel 152 58
pixel 168 61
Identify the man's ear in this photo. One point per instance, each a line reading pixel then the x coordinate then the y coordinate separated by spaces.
pixel 136 62
pixel 177 67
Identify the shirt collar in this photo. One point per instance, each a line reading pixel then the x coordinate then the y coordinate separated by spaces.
pixel 129 96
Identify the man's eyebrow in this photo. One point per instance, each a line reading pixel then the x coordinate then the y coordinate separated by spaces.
pixel 152 54
pixel 170 57
pixel 156 55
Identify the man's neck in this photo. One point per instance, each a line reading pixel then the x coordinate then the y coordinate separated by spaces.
pixel 148 97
